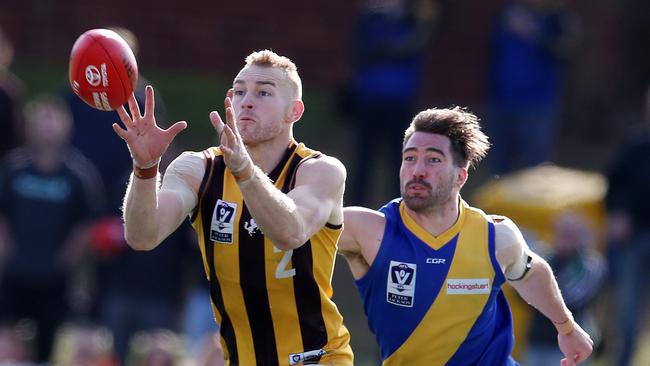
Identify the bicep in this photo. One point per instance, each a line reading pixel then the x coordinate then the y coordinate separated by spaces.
pixel 170 213
pixel 348 243
pixel 179 192
pixel 318 193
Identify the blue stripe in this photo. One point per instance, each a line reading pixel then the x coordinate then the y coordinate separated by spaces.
pixel 490 341
pixel 393 324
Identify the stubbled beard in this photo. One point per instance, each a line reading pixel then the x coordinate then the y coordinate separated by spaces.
pixel 430 201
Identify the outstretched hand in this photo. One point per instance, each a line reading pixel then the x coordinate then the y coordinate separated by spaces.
pixel 234 151
pixel 146 141
pixel 576 346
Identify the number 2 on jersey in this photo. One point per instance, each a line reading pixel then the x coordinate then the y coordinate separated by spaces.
pixel 281 270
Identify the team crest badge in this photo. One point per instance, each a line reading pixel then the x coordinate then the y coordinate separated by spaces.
pixel 222 224
pixel 401 283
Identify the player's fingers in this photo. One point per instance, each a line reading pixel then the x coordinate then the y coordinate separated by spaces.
pixel 176 128
pixel 235 125
pixel 230 113
pixel 149 101
pixel 122 133
pixel 125 118
pixel 567 362
pixel 230 93
pixel 217 123
pixel 134 107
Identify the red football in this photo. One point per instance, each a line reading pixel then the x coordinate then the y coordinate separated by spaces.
pixel 103 70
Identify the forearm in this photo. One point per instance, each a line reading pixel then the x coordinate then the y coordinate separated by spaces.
pixel 140 218
pixel 539 288
pixel 275 213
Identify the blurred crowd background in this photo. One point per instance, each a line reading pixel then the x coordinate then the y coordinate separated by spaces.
pixel 561 86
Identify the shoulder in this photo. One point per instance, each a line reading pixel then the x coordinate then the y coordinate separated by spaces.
pixel 322 168
pixel 505 230
pixel 189 167
pixel 363 231
pixel 82 168
pixel 509 242
pixel 363 220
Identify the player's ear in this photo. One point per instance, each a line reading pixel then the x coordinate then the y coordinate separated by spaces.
pixel 297 109
pixel 461 176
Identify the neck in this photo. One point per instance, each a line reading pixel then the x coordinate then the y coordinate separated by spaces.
pixel 268 154
pixel 438 219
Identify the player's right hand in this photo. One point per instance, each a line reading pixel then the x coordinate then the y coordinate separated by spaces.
pixel 146 141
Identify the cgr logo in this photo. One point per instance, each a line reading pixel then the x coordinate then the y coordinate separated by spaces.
pixel 436 260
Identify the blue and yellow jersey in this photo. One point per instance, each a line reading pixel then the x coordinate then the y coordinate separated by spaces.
pixel 438 300
pixel 274 307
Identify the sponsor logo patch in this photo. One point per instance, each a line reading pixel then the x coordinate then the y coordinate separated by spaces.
pixel 299 358
pixel 401 284
pixel 468 286
pixel 222 224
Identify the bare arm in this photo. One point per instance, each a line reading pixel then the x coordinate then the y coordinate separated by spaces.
pixel 290 219
pixel 539 288
pixel 148 215
pixel 363 230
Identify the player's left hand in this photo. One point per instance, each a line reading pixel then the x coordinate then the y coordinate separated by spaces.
pixel 576 346
pixel 234 151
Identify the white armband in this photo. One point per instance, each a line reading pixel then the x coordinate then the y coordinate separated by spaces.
pixel 183 177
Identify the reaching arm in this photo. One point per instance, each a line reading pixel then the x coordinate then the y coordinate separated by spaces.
pixel 148 215
pixel 171 203
pixel 290 219
pixel 537 286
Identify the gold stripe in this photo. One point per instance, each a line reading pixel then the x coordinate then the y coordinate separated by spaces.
pixel 451 317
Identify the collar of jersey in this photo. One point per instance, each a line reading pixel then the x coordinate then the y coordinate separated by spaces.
pixel 435 242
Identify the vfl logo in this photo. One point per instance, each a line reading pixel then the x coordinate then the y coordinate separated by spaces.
pixel 400 289
pixel 299 358
pixel 222 224
pixel 93 76
pixel 251 226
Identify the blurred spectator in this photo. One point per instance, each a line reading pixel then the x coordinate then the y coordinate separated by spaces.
pixel 48 194
pixel 628 205
pixel 199 333
pixel 529 41
pixel 84 345
pixel 11 99
pixel 580 271
pixel 130 301
pixel 389 45
pixel 125 300
pixel 13 347
pixel 211 351
pixel 157 347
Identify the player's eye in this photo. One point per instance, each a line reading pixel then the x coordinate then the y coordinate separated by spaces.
pixel 264 93
pixel 238 92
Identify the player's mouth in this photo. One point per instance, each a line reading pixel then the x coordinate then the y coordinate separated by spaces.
pixel 247 119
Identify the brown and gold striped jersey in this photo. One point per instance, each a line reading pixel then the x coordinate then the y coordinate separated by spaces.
pixel 274 307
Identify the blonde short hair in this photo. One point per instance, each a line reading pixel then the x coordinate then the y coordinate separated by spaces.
pixel 268 58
